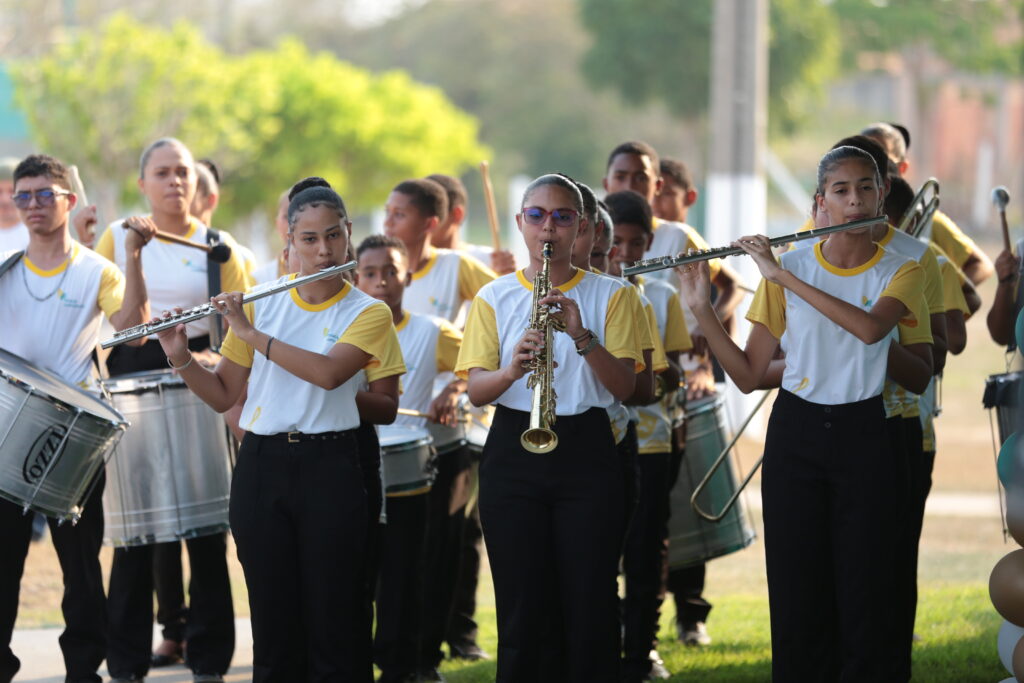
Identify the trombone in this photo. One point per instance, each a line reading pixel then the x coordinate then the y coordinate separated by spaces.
pixel 917 221
pixel 718 463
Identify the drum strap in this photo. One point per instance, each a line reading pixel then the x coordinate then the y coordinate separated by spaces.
pixel 213 287
pixel 10 262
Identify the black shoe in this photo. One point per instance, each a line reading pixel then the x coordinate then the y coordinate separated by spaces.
pixel 470 652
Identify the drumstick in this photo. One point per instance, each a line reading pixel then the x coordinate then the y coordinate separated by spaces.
pixel 76 185
pixel 416 413
pixel 219 253
pixel 492 210
pixel 1001 197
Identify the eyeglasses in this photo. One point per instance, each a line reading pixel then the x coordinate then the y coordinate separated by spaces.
pixel 44 198
pixel 562 218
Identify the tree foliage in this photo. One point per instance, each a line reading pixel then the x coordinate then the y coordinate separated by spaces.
pixel 267 117
pixel 661 51
pixel 975 35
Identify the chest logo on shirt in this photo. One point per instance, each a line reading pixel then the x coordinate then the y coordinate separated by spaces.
pixel 67 301
pixel 331 337
pixel 441 308
pixel 194 266
pixel 866 302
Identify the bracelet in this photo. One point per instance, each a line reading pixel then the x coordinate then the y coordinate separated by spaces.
pixel 584 333
pixel 591 345
pixel 1008 278
pixel 179 368
pixel 266 353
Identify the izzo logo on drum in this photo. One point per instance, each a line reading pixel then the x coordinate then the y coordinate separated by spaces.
pixel 42 453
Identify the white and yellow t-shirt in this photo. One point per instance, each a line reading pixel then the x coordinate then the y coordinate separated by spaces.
pixel 654 422
pixel 448 279
pixel 825 364
pixel 501 312
pixel 429 346
pixel 899 401
pixel 278 401
pixel 176 274
pixel 951 239
pixel 60 332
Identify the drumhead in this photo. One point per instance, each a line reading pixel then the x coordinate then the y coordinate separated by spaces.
pixel 703 405
pixel 146 380
pixel 17 370
pixel 391 436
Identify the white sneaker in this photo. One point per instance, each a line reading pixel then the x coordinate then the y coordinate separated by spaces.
pixel 694 634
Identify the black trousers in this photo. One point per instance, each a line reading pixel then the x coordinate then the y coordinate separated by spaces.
pixel 369 464
pixel 462 628
pixel 553 528
pixel 210 630
pixel 629 451
pixel 84 640
pixel 919 468
pixel 298 515
pixel 169 582
pixel 396 643
pixel 685 583
pixel 443 551
pixel 829 484
pixel 642 563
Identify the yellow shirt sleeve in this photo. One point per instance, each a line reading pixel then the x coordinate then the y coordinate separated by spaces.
pixel 449 340
pixel 916 327
pixel 769 308
pixel 233 276
pixel 472 276
pixel 659 361
pixel 111 294
pixel 620 335
pixel 480 345
pixel 233 348
pixel 373 331
pixel 952 289
pixel 695 241
pixel 951 239
pixel 105 246
pixel 932 282
pixel 677 335
pixel 645 333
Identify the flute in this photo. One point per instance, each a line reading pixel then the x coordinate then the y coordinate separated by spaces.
pixel 146 329
pixel 663 262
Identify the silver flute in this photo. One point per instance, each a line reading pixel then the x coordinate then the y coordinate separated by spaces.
pixel 198 312
pixel 663 262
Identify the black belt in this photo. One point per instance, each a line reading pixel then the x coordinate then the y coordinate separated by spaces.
pixel 302 437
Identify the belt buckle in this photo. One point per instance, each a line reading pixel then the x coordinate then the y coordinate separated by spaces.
pixel 293 437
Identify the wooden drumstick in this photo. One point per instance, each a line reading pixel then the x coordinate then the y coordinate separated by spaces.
pixel 1001 197
pixel 492 209
pixel 219 253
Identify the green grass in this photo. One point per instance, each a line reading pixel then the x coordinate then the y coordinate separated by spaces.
pixel 956 621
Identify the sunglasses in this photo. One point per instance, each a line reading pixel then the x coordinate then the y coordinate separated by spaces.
pixel 562 218
pixel 44 198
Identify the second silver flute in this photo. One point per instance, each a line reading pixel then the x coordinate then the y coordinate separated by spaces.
pixel 651 264
pixel 198 312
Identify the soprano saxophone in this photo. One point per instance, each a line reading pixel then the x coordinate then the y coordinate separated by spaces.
pixel 540 438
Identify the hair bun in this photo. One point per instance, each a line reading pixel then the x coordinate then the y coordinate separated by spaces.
pixel 306 183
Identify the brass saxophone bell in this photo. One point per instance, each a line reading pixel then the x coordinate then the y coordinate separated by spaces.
pixel 539 440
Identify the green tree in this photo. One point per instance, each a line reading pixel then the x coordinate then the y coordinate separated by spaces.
pixel 653 51
pixel 975 35
pixel 266 117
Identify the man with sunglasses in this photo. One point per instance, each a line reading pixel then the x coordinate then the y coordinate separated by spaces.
pixel 52 299
pixel 13 235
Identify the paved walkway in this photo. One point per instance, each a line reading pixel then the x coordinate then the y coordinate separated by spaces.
pixel 39 651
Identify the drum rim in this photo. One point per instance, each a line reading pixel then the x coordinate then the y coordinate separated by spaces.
pixel 161 378
pixel 403 446
pixel 707 404
pixel 120 423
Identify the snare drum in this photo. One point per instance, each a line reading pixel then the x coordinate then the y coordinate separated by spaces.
pixel 408 460
pixel 1002 392
pixel 692 539
pixel 54 438
pixel 172 474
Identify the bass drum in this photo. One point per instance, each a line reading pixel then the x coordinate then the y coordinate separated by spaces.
pixel 172 475
pixel 692 539
pixel 54 439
